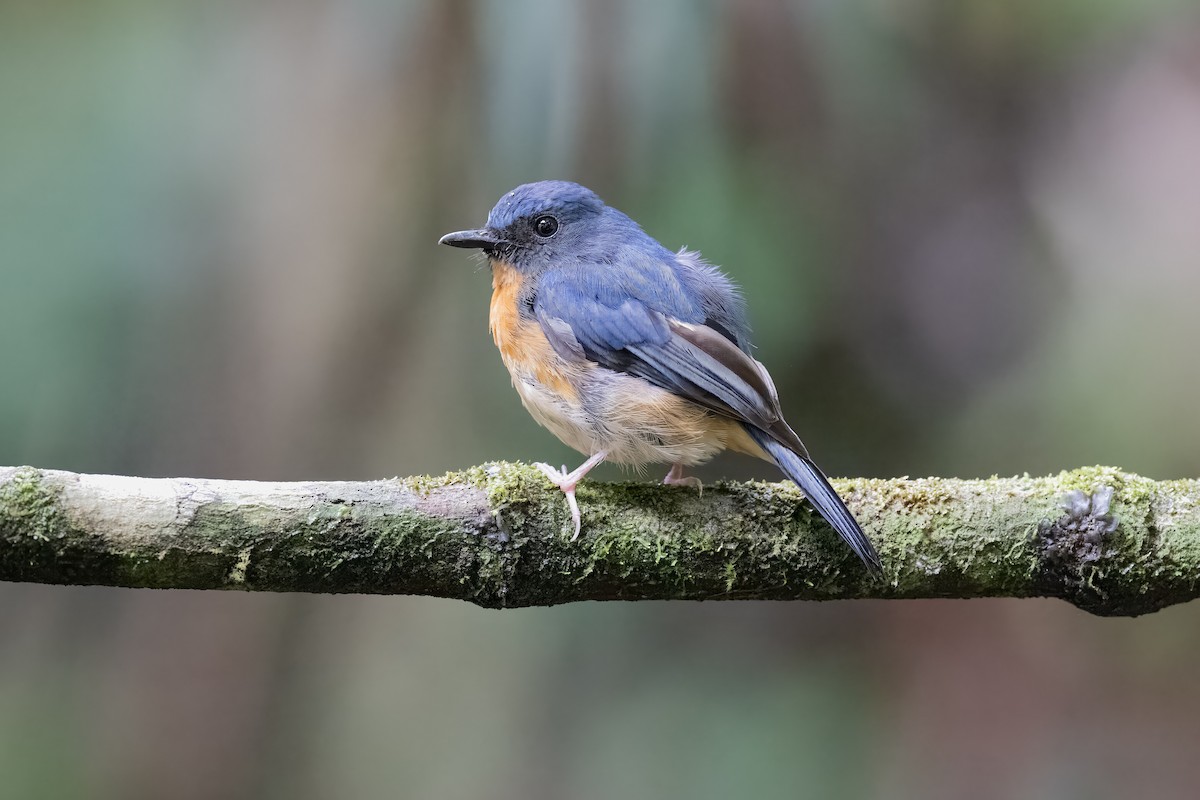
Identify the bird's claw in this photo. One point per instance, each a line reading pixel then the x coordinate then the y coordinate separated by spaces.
pixel 676 478
pixel 566 481
pixel 691 481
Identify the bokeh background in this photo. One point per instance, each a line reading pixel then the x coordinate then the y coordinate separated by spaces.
pixel 969 233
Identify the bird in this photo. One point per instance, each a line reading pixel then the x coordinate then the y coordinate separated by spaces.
pixel 630 352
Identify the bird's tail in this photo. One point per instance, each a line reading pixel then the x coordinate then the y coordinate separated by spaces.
pixel 808 476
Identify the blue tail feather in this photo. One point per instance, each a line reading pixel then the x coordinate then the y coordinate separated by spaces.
pixel 825 500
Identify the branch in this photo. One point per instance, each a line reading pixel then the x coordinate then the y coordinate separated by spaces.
pixel 1110 542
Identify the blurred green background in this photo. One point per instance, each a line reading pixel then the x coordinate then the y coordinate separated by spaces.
pixel 969 233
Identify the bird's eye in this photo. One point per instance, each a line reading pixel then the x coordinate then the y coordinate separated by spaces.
pixel 545 226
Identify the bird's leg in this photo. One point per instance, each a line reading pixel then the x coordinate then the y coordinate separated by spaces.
pixel 566 481
pixel 676 478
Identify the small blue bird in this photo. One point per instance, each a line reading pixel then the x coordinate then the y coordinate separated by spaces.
pixel 629 352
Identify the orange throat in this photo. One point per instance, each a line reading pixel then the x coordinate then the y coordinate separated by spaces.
pixel 523 346
pixel 504 321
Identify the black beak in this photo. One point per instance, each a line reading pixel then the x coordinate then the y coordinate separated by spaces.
pixel 482 239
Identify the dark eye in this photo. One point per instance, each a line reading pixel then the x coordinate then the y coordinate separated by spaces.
pixel 545 226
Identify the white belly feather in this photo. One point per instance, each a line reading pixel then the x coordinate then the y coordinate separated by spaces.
pixel 635 421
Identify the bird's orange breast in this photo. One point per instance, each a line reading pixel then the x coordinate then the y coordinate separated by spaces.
pixel 522 343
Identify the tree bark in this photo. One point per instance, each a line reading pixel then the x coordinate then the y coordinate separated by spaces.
pixel 1110 542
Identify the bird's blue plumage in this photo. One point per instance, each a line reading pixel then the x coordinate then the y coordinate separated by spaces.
pixel 653 344
pixel 564 199
pixel 626 319
pixel 616 260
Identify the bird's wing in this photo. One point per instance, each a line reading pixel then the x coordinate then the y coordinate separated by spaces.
pixel 669 347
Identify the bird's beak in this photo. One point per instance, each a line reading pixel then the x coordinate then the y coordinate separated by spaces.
pixel 482 239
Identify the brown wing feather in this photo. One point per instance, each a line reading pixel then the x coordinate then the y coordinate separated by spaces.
pixel 749 371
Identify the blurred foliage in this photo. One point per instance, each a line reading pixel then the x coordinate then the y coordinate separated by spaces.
pixel 966 231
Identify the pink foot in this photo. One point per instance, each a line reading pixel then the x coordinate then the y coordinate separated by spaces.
pixel 567 481
pixel 676 478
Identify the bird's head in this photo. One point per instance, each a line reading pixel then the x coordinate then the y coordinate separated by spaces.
pixel 539 225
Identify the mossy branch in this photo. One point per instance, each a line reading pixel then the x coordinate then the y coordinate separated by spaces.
pixel 499 536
